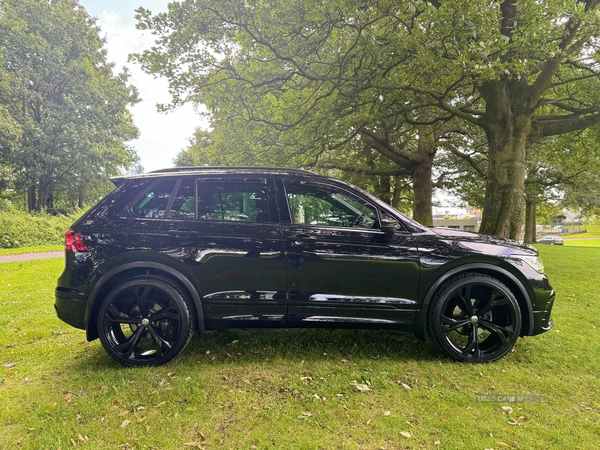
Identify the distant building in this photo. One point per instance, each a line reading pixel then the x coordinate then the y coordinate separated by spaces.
pixel 458 224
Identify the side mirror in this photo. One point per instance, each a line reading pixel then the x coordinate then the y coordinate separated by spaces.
pixel 388 224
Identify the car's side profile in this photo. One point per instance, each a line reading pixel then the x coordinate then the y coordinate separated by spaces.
pixel 194 249
pixel 551 240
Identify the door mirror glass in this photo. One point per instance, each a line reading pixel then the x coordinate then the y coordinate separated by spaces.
pixel 388 224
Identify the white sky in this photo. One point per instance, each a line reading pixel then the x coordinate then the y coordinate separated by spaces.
pixel 161 135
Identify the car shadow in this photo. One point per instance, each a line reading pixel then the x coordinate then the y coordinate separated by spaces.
pixel 293 345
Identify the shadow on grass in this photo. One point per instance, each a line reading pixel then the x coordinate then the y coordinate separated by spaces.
pixel 227 347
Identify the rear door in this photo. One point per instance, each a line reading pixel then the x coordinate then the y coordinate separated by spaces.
pixel 224 233
pixel 342 269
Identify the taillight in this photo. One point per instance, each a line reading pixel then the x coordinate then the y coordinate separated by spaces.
pixel 74 242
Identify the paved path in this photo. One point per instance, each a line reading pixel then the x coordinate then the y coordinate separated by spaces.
pixel 30 256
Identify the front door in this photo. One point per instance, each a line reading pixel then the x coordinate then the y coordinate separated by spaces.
pixel 342 269
pixel 224 232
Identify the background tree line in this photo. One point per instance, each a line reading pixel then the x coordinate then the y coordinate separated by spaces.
pixel 64 116
pixel 479 97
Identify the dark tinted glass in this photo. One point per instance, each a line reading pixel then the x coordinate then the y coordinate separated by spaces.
pixel 154 203
pixel 313 205
pixel 233 201
pixel 184 204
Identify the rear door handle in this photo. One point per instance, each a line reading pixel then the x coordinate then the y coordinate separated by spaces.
pixel 183 231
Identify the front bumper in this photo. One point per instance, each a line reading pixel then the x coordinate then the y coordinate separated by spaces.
pixel 542 321
pixel 70 306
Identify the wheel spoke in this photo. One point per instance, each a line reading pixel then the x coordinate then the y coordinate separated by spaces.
pixel 114 316
pixel 166 313
pixel 498 330
pixel 161 344
pixel 141 297
pixel 497 299
pixel 128 348
pixel 466 299
pixel 453 323
pixel 473 342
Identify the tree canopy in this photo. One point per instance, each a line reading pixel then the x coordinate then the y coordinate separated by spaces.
pixel 319 74
pixel 64 113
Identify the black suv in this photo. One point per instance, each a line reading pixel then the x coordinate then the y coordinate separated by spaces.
pixel 203 248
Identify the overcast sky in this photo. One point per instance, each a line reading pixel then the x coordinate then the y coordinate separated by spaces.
pixel 161 135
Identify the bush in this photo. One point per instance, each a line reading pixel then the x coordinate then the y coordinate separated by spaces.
pixel 22 229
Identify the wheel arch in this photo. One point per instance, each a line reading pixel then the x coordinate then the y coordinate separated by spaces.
pixel 508 278
pixel 126 271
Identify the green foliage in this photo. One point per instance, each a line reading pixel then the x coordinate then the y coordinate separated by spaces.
pixel 21 229
pixel 63 110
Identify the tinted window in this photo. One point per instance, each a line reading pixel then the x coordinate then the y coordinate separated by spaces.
pixel 233 201
pixel 312 205
pixel 184 203
pixel 154 203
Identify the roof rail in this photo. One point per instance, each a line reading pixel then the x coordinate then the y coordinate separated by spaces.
pixel 214 168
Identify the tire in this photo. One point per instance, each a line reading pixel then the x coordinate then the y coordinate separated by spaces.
pixel 483 332
pixel 146 321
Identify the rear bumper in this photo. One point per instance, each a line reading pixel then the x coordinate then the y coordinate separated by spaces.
pixel 70 306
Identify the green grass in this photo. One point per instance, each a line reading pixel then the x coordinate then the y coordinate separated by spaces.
pixel 38 249
pixel 593 231
pixel 583 243
pixel 292 388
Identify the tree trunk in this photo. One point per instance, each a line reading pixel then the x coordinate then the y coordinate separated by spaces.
pixel 530 222
pixel 508 132
pixel 397 193
pixel 80 197
pixel 31 204
pixel 423 190
pixel 43 192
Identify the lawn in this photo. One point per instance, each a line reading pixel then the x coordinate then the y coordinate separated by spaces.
pixel 296 389
pixel 583 243
pixel 38 249
pixel 593 231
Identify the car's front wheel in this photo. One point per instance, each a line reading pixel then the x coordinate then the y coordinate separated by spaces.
pixel 145 321
pixel 474 317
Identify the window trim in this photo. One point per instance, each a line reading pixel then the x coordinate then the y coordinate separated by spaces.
pixel 175 192
pixel 318 183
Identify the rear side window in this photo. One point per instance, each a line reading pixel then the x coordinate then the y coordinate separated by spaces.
pixel 154 204
pixel 184 204
pixel 233 201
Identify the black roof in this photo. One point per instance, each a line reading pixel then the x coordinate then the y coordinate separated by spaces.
pixel 198 170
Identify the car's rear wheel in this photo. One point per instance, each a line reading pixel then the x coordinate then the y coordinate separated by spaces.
pixel 474 317
pixel 145 321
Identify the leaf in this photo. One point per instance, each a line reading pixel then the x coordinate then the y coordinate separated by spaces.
pixel 170 374
pixel 405 386
pixel 125 423
pixel 387 413
pixel 9 365
pixel 406 434
pixel 437 443
pixel 508 409
pixel 360 386
pixel 235 341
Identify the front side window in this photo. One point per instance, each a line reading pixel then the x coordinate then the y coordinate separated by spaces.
pixel 233 201
pixel 184 203
pixel 154 204
pixel 315 205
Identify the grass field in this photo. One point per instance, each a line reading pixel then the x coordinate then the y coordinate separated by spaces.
pixel 38 249
pixel 583 243
pixel 593 231
pixel 295 389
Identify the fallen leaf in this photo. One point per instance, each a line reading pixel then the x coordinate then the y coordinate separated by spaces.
pixel 405 386
pixel 170 374
pixel 504 444
pixel 160 404
pixel 406 434
pixel 10 365
pixel 369 422
pixel 125 423
pixel 508 409
pixel 9 373
pixel 437 443
pixel 235 341
pixel 360 386
pixel 73 442
pixel 387 413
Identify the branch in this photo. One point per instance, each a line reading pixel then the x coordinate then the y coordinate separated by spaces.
pixel 554 127
pixel 354 169
pixel 400 157
pixel 469 159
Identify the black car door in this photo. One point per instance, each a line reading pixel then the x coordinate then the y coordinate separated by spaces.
pixel 342 269
pixel 224 233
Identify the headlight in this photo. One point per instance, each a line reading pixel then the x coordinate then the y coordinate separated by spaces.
pixel 535 262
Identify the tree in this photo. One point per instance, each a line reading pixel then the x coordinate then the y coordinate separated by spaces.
pixel 64 96
pixel 306 109
pixel 518 70
pixel 195 154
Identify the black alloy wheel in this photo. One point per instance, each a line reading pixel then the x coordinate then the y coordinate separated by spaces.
pixel 145 321
pixel 474 317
